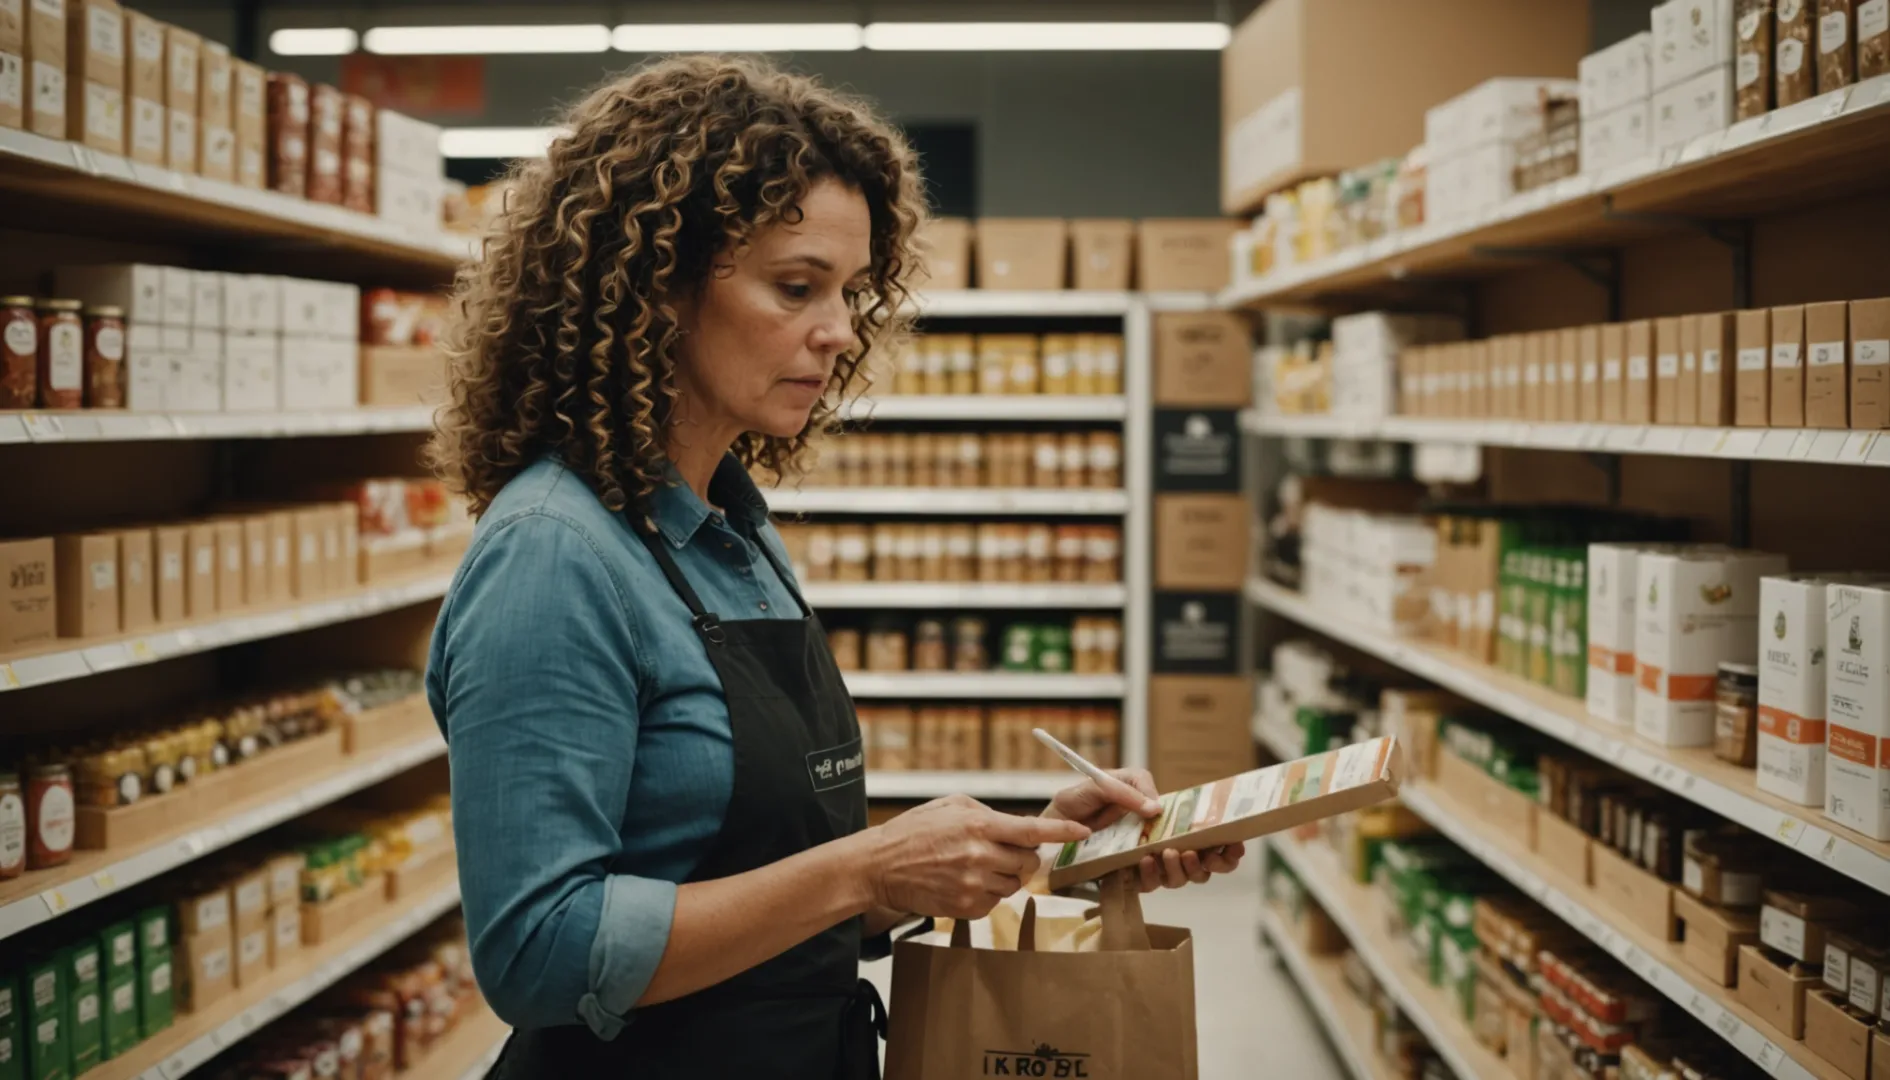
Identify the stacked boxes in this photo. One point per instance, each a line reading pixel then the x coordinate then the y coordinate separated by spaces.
pixel 1365 350
pixel 147 126
pixel 1616 85
pixel 1695 609
pixel 321 325
pixel 1612 593
pixel 1857 759
pixel 45 69
pixel 407 172
pixel 1692 70
pixel 1369 568
pixel 216 115
pixel 1472 142
pixel 95 75
pixel 183 62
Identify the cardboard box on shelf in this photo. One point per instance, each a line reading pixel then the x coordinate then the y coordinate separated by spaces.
pixel 86 567
pixel 1615 76
pixel 1699 106
pixel 249 111
pixel 206 968
pixel 1201 541
pixel 1588 397
pixel 252 372
pixel 1880 1054
pixel 1792 686
pixel 1873 57
pixel 13 94
pixel 1498 805
pixel 1022 253
pixel 29 613
pixel 1645 901
pixel 1667 371
pixel 1617 137
pixel 1102 253
pixel 1690 37
pixel 1184 254
pixel 1837 45
pixel 216 137
pixel 1857 761
pixel 1565 847
pixel 1613 371
pixel 285 933
pixel 170 551
pixel 1637 383
pixel 95 74
pixel 1203 359
pixel 1752 406
pixel 183 65
pixel 200 570
pixel 45 69
pixel 1695 608
pixel 1752 58
pixel 400 375
pixel 146 125
pixel 1686 409
pixel 1788 366
pixel 1715 336
pixel 251 952
pixel 308 576
pixel 1712 937
pixel 231 561
pixel 1827 366
pixel 1870 362
pixel 1199 727
pixel 1292 106
pixel 945 247
pixel 1838 1034
pixel 137 581
pixel 1774 987
pixel 256 576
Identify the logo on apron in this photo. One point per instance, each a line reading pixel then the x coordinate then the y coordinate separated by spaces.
pixel 837 766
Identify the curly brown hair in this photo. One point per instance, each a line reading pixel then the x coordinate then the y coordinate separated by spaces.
pixel 565 337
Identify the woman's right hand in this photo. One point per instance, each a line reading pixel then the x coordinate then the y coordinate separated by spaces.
pixel 956 857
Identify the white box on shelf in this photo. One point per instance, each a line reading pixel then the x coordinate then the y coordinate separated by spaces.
pixel 207 343
pixel 1612 576
pixel 197 381
pixel 1690 37
pixel 1693 609
pixel 136 287
pixel 206 300
pixel 1792 693
pixel 147 370
pixel 319 374
pixel 406 146
pixel 1615 138
pixel 411 203
pixel 341 311
pixel 1857 758
pixel 180 295
pixel 174 339
pixel 252 302
pixel 1470 182
pixel 1618 75
pixel 1495 110
pixel 1698 106
pixel 301 307
pixel 252 373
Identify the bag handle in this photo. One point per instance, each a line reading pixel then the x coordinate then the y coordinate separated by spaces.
pixel 1027 927
pixel 1123 929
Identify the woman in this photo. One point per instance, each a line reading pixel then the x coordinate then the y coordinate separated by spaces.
pixel 656 786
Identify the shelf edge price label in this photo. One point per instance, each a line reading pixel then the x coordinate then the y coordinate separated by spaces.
pixel 1789 829
pixel 1727 1024
pixel 105 881
pixel 56 902
pixel 8 680
pixel 1769 1056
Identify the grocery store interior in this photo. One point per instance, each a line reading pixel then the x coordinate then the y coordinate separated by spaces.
pixel 1431 444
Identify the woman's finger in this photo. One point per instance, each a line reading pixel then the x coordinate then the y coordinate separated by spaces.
pixel 1191 865
pixel 1140 779
pixel 1151 874
pixel 1173 875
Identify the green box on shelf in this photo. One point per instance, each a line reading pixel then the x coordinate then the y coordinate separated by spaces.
pixel 154 932
pixel 156 1000
pixel 12 1051
pixel 1456 951
pixel 84 1005
pixel 10 1003
pixel 118 948
pixel 48 1050
pixel 122 1030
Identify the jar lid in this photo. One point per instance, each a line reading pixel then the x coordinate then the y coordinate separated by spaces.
pixel 51 770
pixel 16 301
pixel 60 305
pixel 106 311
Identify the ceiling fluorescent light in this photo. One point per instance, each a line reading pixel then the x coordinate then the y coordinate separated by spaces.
pixel 447 40
pixel 497 142
pixel 1046 37
pixel 314 41
pixel 735 37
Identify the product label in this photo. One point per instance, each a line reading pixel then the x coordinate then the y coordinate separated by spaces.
pixel 216 964
pixel 1591 371
pixel 104 113
pixel 1611 371
pixel 1692 877
pixel 1873 19
pixel 86 1006
pixel 12 82
pixel 233 558
pixel 1870 353
pixel 282 552
pixel 183 71
pixel 161 978
pixel 212 913
pixel 1866 982
pixel 124 998
pixel 204 561
pixel 1791 55
pixel 1789 10
pixel 124 949
pixel 111 343
pixel 1637 368
pixel 55 819
pixel 1749 24
pixel 1747 69
pixel 22 337
pixel 104 575
pixel 1837 968
pixel 49 90
pixel 147 42
pixel 1833 32
pixel 1667 365
pixel 147 127
pixel 12 832
pixel 1752 359
pixel 106 32
pixel 254 946
pixel 1785 356
pixel 1782 931
pixel 288 930
pixel 1709 361
pixel 1826 354
pixel 65 349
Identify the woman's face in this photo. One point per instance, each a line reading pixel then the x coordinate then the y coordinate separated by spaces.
pixel 761 337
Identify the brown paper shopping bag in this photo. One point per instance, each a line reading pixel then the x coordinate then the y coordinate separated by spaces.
pixel 1124 1012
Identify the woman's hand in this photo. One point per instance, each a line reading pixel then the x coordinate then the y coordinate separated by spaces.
pixel 956 857
pixel 1098 806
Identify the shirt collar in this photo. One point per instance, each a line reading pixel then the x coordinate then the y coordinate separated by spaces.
pixel 679 512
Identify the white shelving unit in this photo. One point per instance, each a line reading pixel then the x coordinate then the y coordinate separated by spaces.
pixel 1001 304
pixel 1825 447
pixel 979 784
pixel 49 667
pixel 970 594
pixel 1348 1022
pixel 939 501
pixel 104 426
pixel 991 685
pixel 982 407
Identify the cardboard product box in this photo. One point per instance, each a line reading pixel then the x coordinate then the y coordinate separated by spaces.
pixel 282 555
pixel 157 993
pixel 1532 376
pixel 216 137
pixel 204 911
pixel 1873 53
pixel 138 288
pixel 48 1039
pixel 1752 58
pixel 1617 137
pixel 121 1031
pixel 170 555
pixel 252 303
pixel 1613 372
pixel 286 155
pixel 1242 807
pixel 1690 37
pixel 944 245
pixel 1793 65
pixel 357 132
pixel 1752 406
pixel 1184 254
pixel 13 88
pixel 1498 110
pixel 283 874
pixel 1612 575
pixel 1645 901
pixel 1588 396
pixel 1197 730
pixel 1857 759
pixel 118 948
pixel 1837 45
pixel 1715 336
pixel 137 581
pixel 252 955
pixel 1775 988
pixel 1713 936
pixel 1637 386
pixel 1201 541
pixel 206 967
pixel 232 560
pixel 1568 362
pixel 1203 359
pixel 1880 1054
pixel 85 1019
pixel 249 112
pixel 1869 322
pixel 1667 371
pixel 1836 1033
pixel 1792 690
pixel 1500 806
pixel 1788 366
pixel 29 594
pixel 252 372
pixel 1827 367
pixel 1699 106
pixel 95 74
pixel 1694 609
pixel 402 375
pixel 200 570
pixel 335 565
pixel 86 568
pixel 1686 406
pixel 257 579
pixel 45 68
pixel 183 67
pixel 1617 75
pixel 285 933
pixel 1022 253
pixel 1864 988
pixel 1102 253
pixel 308 576
pixel 1291 103
pixel 1566 847
pixel 324 145
pixel 1794 924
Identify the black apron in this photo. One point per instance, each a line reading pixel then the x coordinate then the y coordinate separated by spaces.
pixel 799 781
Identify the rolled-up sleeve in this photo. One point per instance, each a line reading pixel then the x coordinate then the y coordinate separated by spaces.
pixel 535 675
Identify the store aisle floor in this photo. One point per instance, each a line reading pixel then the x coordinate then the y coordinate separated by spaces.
pixel 1251 1018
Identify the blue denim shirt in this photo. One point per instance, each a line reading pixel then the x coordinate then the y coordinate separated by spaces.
pixel 588 736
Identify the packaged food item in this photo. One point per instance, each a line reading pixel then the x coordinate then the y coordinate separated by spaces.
pixel 1105 459
pixel 1752 61
pixel 1039 550
pixel 50 816
pixel 1837 45
pixel 288 127
pixel 1856 768
pixel 13 827
pixel 1795 69
pixel 1873 38
pixel 61 368
pixel 104 358
pixel 1736 714
pixel 1073 449
pixel 929 652
pixel 1696 608
pixel 845 643
pixel 887 647
pixel 19 353
pixel 1723 868
pixel 1793 674
pixel 968 650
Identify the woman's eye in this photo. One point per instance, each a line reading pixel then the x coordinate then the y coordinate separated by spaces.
pixel 796 292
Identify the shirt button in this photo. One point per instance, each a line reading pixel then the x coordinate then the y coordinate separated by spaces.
pixel 764 605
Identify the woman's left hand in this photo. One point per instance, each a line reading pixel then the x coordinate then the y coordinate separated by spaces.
pixel 1099 806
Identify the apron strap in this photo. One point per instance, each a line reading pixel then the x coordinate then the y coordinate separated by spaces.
pixel 706 621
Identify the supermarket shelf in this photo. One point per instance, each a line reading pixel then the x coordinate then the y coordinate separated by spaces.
pixel 74 188
pixel 930 500
pixel 87 425
pixel 1348 1021
pixel 976 783
pixel 989 685
pixel 981 407
pixel 1824 148
pixel 1693 774
pixel 199 1036
pixel 1281 743
pixel 973 594
pixel 1657 962
pixel 21 672
pixel 42 895
pixel 467 1053
pixel 975 303
pixel 1828 447
pixel 1355 908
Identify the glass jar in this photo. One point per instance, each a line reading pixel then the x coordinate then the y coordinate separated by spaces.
pixel 105 358
pixel 19 353
pixel 968 650
pixel 61 355
pixel 12 827
pixel 1736 715
pixel 50 818
pixel 928 646
pixel 845 645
